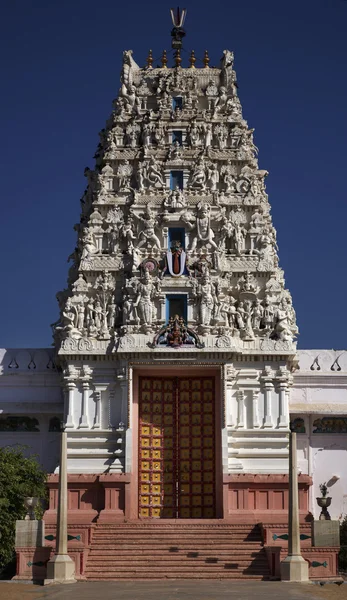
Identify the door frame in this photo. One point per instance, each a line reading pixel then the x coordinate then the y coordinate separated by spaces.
pixel 151 370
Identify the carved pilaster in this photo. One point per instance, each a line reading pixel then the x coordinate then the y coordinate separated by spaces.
pixel 267 379
pixel 86 378
pixel 97 417
pixel 240 395
pixel 282 379
pixel 70 387
pixel 255 408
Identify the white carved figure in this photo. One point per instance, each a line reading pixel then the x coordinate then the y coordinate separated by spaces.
pixel 221 102
pixel 194 135
pixel 228 310
pixel 124 173
pixel 160 134
pixel 227 63
pixel 198 177
pixel 221 133
pixel 112 311
pixel 80 315
pixel 207 300
pixel 148 235
pixel 213 176
pixel 239 238
pixel 257 314
pixel 127 232
pixel 175 151
pixel 146 292
pixel 201 224
pixel 80 285
pixel 115 221
pixel 133 131
pixel 226 231
pixel 69 317
pixel 89 246
pixel 208 131
pixel 147 134
pixel 154 175
pixel 228 177
pixel 175 198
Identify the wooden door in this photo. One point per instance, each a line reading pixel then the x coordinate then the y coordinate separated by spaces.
pixel 177 447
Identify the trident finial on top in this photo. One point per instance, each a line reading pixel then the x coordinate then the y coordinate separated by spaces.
pixel 178 33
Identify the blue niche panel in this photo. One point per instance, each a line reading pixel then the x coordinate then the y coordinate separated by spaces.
pixel 177 137
pixel 177 102
pixel 176 180
pixel 176 304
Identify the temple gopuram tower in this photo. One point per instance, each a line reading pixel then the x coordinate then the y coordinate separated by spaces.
pixel 176 331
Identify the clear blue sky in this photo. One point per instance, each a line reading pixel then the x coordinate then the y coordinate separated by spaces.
pixel 60 71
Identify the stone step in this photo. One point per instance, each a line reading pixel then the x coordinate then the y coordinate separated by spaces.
pixel 167 565
pixel 116 551
pixel 164 576
pixel 174 535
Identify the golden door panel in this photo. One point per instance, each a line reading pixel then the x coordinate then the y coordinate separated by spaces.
pixel 177 447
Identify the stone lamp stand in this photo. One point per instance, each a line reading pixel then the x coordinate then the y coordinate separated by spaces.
pixel 324 503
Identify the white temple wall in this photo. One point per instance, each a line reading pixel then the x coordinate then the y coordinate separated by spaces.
pixel 318 407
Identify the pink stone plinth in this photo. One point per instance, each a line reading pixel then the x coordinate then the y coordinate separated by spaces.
pixel 252 498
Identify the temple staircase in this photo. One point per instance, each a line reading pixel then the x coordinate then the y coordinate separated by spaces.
pixel 179 550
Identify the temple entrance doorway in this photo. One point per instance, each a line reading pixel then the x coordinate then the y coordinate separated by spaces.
pixel 177 478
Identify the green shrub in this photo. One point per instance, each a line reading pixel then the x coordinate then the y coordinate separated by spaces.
pixel 19 477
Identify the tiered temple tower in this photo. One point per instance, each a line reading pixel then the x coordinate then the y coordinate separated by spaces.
pixel 176 332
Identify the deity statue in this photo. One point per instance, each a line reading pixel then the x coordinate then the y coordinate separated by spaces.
pixel 198 177
pixel 68 317
pixel 227 63
pixel 154 175
pixel 208 134
pixel 221 133
pixel 89 246
pixel 239 238
pixel 124 173
pixel 257 314
pixel 194 135
pixel 207 300
pixel 112 312
pixel 175 198
pixel 128 234
pixel 147 235
pixel 115 221
pixel 147 134
pixel 213 176
pixel 282 326
pixel 146 292
pixel 228 310
pixel 228 177
pixel 226 232
pixel 201 224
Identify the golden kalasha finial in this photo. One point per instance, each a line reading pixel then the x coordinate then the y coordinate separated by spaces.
pixel 206 59
pixel 178 58
pixel 164 60
pixel 192 60
pixel 150 60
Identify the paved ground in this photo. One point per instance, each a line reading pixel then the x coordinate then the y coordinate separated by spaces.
pixel 174 590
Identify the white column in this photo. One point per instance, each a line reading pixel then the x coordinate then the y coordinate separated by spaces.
pixel 240 409
pixel 255 408
pixel 293 567
pixel 268 387
pixel 84 407
pixel 61 568
pixel 70 387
